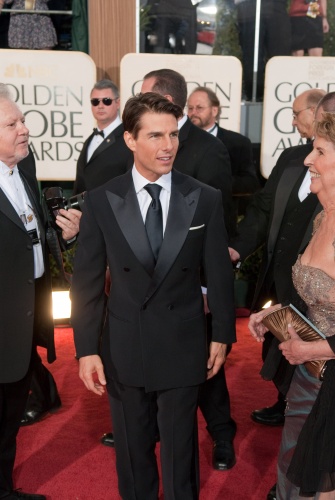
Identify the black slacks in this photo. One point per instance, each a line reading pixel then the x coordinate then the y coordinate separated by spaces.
pixel 214 401
pixel 135 422
pixel 13 397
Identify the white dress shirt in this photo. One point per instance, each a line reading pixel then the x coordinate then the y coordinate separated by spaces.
pixel 144 198
pixel 13 187
pixel 98 139
pixel 305 187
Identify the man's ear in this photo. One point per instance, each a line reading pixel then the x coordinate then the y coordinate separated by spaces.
pixel 169 97
pixel 129 140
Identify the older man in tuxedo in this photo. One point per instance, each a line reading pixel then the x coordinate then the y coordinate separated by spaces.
pixel 26 313
pixel 156 228
pixel 104 154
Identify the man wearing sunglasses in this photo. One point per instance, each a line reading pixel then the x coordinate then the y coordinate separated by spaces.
pixel 104 154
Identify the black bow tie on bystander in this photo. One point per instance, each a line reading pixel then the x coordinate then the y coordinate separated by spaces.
pixel 98 132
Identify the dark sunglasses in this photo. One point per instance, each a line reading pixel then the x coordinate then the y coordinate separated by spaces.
pixel 107 101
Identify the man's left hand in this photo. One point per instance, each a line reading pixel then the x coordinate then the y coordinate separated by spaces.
pixel 68 221
pixel 217 356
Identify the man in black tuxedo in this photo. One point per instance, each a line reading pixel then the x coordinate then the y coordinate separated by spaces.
pixel 206 159
pixel 280 217
pixel 203 109
pixel 156 228
pixel 104 154
pixel 25 315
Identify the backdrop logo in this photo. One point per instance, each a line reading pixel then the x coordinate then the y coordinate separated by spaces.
pixel 301 74
pixel 52 89
pixel 206 71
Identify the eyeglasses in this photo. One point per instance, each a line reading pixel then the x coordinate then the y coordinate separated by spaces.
pixel 295 114
pixel 198 109
pixel 107 101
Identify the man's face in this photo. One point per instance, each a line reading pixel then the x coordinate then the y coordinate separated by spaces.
pixel 103 114
pixel 14 134
pixel 200 111
pixel 156 145
pixel 303 117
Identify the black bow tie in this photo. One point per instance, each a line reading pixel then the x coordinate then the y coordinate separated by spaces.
pixel 98 132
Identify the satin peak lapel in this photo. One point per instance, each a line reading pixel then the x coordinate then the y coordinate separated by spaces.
pixel 128 216
pixel 284 189
pixel 109 140
pixel 7 208
pixel 181 213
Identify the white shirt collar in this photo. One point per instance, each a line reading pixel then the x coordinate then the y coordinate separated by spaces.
pixel 182 121
pixel 5 170
pixel 112 126
pixel 140 181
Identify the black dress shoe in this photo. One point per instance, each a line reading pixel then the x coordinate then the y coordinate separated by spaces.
pixel 272 493
pixel 32 416
pixel 14 495
pixel 223 455
pixel 271 415
pixel 108 439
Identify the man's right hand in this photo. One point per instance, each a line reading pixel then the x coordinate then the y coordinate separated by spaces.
pixel 88 365
pixel 234 255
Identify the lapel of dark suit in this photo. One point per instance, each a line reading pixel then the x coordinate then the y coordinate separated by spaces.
pixel 221 134
pixel 284 189
pixel 107 142
pixel 127 213
pixel 7 208
pixel 183 203
pixel 36 205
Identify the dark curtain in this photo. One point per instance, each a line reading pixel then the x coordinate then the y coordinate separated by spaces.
pixel 79 26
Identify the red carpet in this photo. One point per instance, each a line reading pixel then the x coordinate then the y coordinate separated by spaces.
pixel 61 456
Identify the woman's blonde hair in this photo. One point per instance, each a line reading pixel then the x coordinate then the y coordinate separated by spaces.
pixel 325 127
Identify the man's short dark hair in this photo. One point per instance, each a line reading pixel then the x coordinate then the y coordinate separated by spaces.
pixel 140 104
pixel 327 103
pixel 169 82
pixel 107 84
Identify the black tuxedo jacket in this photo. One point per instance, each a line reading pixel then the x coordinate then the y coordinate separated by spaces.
pixel 110 159
pixel 155 335
pixel 241 160
pixel 18 317
pixel 265 213
pixel 205 158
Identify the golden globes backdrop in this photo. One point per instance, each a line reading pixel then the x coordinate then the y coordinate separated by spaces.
pixel 285 79
pixel 223 74
pixel 52 89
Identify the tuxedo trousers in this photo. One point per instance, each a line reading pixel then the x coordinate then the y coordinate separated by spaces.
pixel 43 393
pixel 136 415
pixel 214 401
pixel 13 397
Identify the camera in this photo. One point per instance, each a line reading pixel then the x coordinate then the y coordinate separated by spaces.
pixel 55 200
